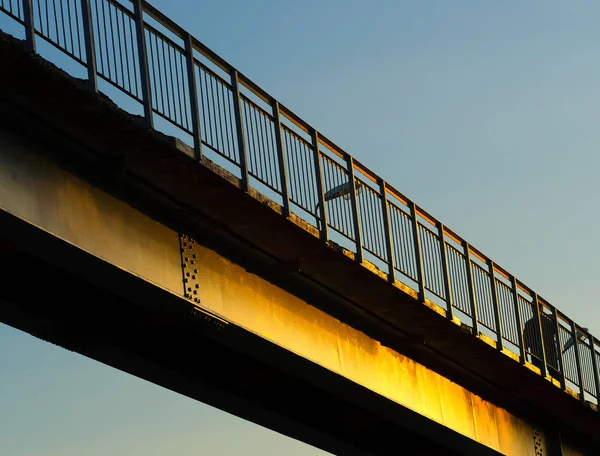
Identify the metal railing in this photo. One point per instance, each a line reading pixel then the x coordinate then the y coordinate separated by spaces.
pixel 151 60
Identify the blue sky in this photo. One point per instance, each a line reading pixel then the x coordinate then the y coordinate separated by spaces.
pixel 484 113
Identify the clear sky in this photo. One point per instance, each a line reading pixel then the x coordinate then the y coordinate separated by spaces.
pixel 485 113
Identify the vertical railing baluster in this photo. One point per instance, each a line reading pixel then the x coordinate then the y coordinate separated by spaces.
pixel 559 355
pixel 520 340
pixel 417 243
pixel 143 57
pixel 355 213
pixel 500 341
pixel 193 87
pixel 471 287
pixel 285 195
pixel 28 18
pixel 445 271
pixel 324 225
pixel 90 49
pixel 540 329
pixel 578 362
pixel 595 367
pixel 237 108
pixel 389 244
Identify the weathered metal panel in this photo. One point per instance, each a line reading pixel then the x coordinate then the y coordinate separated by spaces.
pixel 38 191
pixel 250 302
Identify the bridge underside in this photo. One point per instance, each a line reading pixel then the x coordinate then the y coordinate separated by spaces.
pixel 132 314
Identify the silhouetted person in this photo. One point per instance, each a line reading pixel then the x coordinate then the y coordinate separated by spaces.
pixel 532 341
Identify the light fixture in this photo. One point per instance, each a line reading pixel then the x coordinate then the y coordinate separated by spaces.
pixel 571 341
pixel 343 190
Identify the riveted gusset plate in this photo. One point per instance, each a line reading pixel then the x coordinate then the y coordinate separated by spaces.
pixel 189 268
pixel 538 442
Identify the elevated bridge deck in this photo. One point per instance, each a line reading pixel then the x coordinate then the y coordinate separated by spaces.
pixel 312 219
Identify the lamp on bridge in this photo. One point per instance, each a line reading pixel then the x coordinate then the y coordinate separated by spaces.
pixel 571 341
pixel 343 190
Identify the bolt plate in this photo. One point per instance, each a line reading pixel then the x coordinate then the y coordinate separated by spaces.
pixel 189 267
pixel 538 443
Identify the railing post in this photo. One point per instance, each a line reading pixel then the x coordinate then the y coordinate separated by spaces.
pixel 143 56
pixel 500 341
pixel 324 228
pixel 389 244
pixel 445 271
pixel 237 108
pixel 191 73
pixel 285 195
pixel 519 322
pixel 578 363
pixel 29 25
pixel 417 243
pixel 559 356
pixel 90 49
pixel 540 331
pixel 355 213
pixel 471 286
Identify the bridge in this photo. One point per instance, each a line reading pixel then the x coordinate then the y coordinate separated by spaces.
pixel 163 214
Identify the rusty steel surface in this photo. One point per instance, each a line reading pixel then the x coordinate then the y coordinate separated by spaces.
pixel 71 209
pixel 258 306
pixel 39 192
